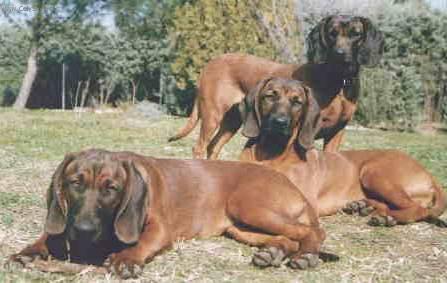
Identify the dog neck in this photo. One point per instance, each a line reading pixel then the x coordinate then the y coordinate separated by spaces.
pixel 284 157
pixel 328 79
pixel 268 147
pixel 271 148
pixel 328 76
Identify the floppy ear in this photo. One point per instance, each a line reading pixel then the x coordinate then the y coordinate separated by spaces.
pixel 316 42
pixel 56 203
pixel 132 211
pixel 310 121
pixel 249 109
pixel 370 52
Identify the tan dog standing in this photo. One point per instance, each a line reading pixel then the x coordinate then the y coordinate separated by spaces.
pixel 337 47
pixel 281 123
pixel 127 208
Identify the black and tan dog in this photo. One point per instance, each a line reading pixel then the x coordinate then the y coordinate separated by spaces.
pixel 282 123
pixel 337 47
pixel 127 208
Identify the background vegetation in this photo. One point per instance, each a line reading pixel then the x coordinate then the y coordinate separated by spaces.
pixel 155 49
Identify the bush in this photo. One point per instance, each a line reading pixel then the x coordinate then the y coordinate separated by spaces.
pixel 410 85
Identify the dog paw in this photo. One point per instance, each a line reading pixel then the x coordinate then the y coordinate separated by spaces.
pixel 304 261
pixel 124 265
pixel 269 256
pixel 359 207
pixel 28 255
pixel 379 220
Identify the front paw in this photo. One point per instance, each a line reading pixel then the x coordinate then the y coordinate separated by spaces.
pixel 269 256
pixel 379 220
pixel 359 207
pixel 304 261
pixel 124 264
pixel 29 254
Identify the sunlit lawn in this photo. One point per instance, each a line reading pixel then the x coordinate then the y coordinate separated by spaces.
pixel 32 143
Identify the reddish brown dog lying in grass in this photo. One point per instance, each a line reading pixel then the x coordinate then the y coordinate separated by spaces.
pixel 282 121
pixel 337 47
pixel 127 208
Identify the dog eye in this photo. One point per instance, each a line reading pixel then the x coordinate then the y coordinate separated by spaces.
pixel 271 94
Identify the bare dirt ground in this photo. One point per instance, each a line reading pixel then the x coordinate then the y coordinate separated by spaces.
pixel 33 142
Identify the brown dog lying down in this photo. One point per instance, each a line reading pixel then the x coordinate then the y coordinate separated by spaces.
pixel 387 183
pixel 127 208
pixel 337 47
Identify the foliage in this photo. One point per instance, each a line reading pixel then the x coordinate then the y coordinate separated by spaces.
pixel 208 28
pixel 410 86
pixel 46 18
pixel 13 55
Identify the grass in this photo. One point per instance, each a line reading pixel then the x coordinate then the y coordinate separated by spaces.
pixel 33 142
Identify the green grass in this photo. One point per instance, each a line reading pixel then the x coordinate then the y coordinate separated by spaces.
pixel 33 142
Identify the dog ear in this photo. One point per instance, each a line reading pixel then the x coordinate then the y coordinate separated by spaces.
pixel 316 42
pixel 370 52
pixel 310 121
pixel 249 109
pixel 131 214
pixel 56 203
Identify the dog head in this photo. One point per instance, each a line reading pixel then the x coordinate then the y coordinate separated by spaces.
pixel 279 107
pixel 95 196
pixel 345 40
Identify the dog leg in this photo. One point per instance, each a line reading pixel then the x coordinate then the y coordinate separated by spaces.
pixel 129 262
pixel 332 144
pixel 259 217
pixel 228 128
pixel 207 130
pixel 405 210
pixel 38 249
pixel 274 249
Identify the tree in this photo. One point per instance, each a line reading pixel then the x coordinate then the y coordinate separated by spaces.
pixel 48 18
pixel 207 28
pixel 145 24
pixel 280 25
pixel 13 56
pixel 409 87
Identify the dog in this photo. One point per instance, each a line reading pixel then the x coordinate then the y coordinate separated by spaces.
pixel 337 47
pixel 282 122
pixel 122 209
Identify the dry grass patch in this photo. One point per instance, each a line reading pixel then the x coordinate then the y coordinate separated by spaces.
pixel 33 142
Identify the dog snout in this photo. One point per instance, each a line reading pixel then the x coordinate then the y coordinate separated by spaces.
pixel 281 122
pixel 86 229
pixel 339 51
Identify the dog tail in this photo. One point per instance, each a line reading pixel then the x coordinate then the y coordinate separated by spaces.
pixel 190 125
pixel 439 203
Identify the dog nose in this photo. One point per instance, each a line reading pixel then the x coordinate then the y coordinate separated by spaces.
pixel 339 51
pixel 281 121
pixel 85 228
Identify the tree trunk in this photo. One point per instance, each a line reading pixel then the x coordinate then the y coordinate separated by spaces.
pixel 31 70
pixel 84 93
pixel 275 32
pixel 109 90
pixel 134 90
pixel 28 80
